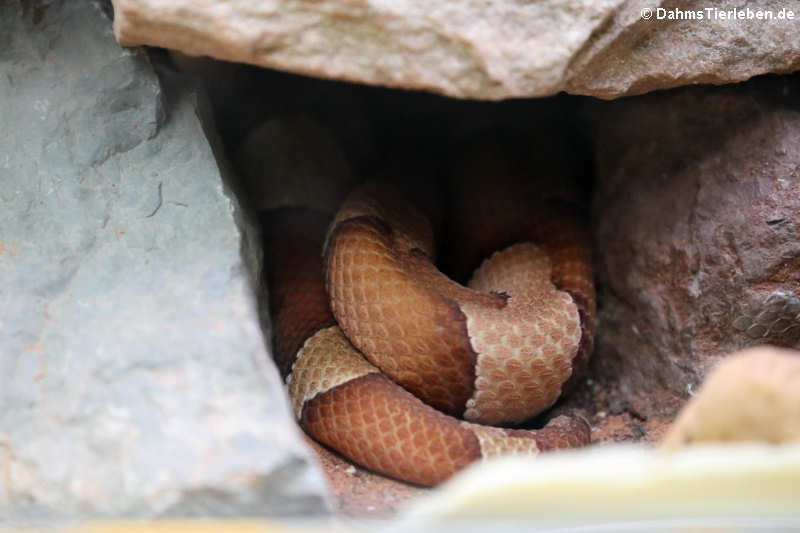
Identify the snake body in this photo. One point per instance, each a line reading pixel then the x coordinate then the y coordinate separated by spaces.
pixel 399 368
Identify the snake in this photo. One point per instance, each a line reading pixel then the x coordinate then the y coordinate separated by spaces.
pixel 408 373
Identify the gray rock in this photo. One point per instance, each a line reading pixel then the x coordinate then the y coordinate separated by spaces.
pixel 485 50
pixel 697 217
pixel 134 377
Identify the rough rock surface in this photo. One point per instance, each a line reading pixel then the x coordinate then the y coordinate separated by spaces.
pixel 477 49
pixel 697 217
pixel 134 379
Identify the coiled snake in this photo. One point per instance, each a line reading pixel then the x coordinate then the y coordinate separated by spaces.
pixel 384 355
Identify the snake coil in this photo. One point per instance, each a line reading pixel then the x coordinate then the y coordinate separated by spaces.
pixel 401 369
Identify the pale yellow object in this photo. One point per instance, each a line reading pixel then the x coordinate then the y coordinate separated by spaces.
pixel 624 483
pixel 207 526
pixel 753 395
pixel 184 526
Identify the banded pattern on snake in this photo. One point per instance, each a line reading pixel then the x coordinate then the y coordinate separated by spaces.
pixel 399 368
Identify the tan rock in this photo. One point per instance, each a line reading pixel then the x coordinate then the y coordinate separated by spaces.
pixel 476 49
pixel 753 395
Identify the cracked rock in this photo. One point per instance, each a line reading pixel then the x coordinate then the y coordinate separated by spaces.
pixel 134 378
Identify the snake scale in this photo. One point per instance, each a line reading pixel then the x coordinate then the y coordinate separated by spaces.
pixel 406 372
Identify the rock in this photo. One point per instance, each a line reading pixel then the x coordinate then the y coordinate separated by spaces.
pixel 752 395
pixel 697 217
pixel 477 49
pixel 134 378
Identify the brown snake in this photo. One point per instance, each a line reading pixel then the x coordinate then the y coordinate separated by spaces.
pixel 383 353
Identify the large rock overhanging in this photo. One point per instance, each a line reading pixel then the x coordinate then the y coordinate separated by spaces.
pixel 477 49
pixel 134 379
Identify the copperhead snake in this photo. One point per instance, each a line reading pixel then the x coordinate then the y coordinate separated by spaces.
pixel 404 371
